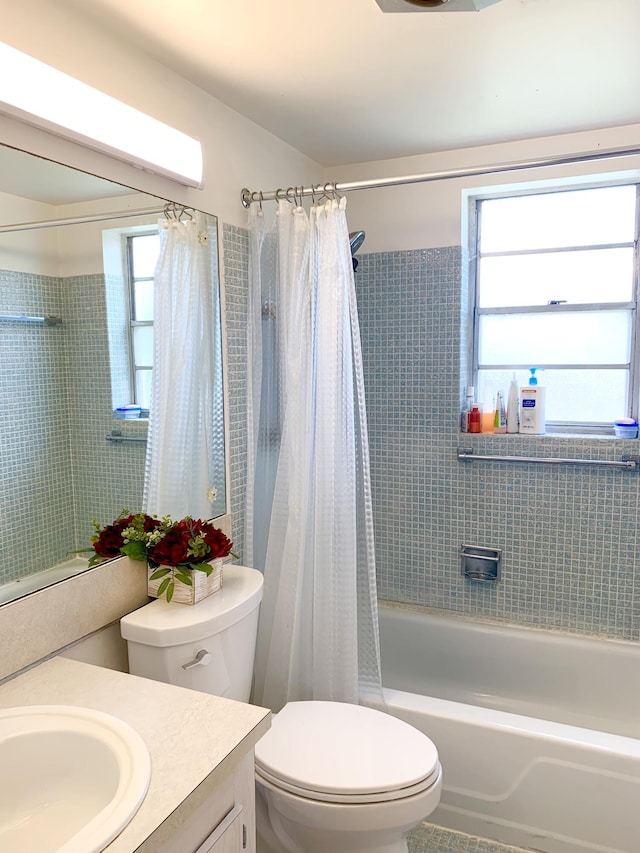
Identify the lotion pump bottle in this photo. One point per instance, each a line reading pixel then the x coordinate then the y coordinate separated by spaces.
pixel 532 406
pixel 513 402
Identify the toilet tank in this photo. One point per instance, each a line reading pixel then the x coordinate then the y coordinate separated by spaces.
pixel 208 646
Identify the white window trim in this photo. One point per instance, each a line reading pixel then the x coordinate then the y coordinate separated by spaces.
pixel 472 198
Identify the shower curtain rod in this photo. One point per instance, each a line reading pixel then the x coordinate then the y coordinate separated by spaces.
pixel 293 193
pixel 77 220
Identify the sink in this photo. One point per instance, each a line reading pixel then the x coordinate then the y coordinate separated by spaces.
pixel 71 779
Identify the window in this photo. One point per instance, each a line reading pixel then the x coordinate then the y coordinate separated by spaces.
pixel 141 257
pixel 555 288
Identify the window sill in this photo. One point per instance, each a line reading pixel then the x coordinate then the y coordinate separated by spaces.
pixel 558 438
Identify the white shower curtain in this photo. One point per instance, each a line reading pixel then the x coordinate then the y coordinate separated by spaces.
pixel 181 462
pixel 318 634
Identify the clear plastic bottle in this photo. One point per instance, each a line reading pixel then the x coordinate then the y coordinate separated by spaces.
pixel 513 406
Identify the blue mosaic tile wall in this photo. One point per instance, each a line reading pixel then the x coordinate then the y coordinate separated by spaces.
pixel 235 248
pixel 56 468
pixel 569 535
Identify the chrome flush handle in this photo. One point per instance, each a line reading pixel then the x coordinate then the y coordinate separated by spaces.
pixel 201 659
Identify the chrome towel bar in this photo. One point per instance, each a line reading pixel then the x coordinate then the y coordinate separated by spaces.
pixel 628 463
pixel 116 437
pixel 48 320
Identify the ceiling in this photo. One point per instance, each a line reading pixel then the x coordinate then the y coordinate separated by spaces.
pixel 28 176
pixel 344 82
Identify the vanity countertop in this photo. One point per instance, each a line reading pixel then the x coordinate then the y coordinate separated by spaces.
pixel 195 740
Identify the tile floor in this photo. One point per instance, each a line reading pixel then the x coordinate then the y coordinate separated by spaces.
pixel 428 838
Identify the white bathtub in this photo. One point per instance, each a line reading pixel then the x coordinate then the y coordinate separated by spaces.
pixel 538 732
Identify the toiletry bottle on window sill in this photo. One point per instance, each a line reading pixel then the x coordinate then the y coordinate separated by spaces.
pixel 532 406
pixel 500 415
pixel 475 419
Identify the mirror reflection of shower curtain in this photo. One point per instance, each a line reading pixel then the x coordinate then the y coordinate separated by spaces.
pixel 309 516
pixel 181 464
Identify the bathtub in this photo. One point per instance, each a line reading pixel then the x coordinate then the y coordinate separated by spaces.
pixel 538 732
pixel 32 583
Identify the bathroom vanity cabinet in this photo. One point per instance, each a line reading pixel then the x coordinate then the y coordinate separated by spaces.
pixel 201 796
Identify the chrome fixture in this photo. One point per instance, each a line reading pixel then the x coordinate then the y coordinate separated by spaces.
pixel 356 239
pixel 480 564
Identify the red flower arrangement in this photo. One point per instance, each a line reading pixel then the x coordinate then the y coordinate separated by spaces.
pixel 172 548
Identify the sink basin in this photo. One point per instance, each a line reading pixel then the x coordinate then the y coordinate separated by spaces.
pixel 71 779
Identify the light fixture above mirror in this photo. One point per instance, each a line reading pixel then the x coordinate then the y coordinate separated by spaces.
pixel 47 98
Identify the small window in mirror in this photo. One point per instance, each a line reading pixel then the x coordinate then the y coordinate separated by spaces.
pixel 141 253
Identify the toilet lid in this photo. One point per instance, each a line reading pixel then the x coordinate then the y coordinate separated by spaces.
pixel 339 752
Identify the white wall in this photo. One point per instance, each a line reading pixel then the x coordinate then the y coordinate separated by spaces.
pixel 427 215
pixel 33 252
pixel 237 152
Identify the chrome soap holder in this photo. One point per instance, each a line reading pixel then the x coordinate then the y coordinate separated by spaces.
pixel 479 563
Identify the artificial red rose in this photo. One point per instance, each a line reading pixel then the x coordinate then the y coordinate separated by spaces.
pixel 219 544
pixel 109 542
pixel 173 547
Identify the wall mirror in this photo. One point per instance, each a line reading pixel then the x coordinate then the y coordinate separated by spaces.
pixel 66 454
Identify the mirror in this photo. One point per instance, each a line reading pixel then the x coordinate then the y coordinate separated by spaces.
pixel 67 455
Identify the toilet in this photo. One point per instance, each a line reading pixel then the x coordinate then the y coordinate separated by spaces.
pixel 331 777
pixel 338 778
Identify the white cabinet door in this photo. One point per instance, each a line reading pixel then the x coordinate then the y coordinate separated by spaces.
pixel 227 837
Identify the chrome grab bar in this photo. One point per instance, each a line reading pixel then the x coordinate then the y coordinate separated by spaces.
pixel 629 463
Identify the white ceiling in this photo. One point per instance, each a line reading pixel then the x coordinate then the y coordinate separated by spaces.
pixel 344 82
pixel 32 177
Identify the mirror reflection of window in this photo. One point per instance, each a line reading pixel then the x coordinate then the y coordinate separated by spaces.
pixel 142 256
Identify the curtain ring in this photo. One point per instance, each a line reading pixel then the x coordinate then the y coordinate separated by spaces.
pixel 278 191
pixel 290 191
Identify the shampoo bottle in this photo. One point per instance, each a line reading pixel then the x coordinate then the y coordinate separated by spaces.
pixel 513 400
pixel 532 400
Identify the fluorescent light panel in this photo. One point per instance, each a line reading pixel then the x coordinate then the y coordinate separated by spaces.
pixel 47 98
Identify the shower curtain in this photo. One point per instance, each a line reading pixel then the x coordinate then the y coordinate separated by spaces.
pixel 308 516
pixel 181 464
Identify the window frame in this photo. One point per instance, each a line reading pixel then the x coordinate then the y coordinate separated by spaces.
pixel 475 200
pixel 132 323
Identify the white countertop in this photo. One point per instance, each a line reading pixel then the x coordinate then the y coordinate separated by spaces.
pixel 191 736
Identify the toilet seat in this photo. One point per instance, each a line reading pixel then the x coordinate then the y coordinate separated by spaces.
pixel 335 752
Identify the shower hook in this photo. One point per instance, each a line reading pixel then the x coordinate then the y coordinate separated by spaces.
pixel 261 199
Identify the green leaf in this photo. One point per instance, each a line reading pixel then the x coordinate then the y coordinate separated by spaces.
pixel 170 590
pixel 202 567
pixel 159 573
pixel 185 577
pixel 165 583
pixel 135 549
